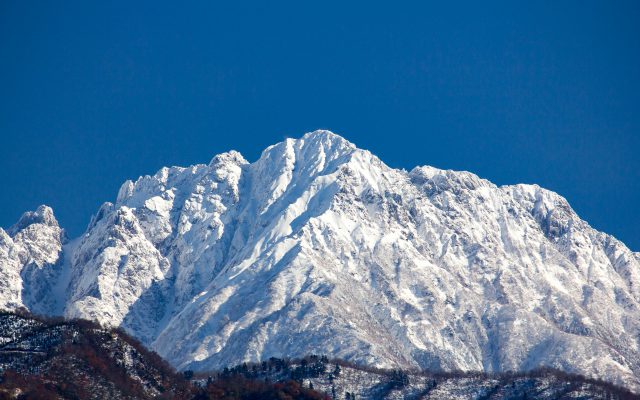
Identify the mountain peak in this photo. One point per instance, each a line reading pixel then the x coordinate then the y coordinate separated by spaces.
pixel 42 215
pixel 325 136
pixel 329 141
pixel 231 156
pixel 322 142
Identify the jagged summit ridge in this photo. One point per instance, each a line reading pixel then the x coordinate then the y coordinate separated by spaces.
pixel 42 215
pixel 319 247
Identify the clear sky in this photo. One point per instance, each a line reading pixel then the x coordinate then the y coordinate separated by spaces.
pixel 93 93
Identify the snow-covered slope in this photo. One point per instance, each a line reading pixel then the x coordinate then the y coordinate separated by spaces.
pixel 319 247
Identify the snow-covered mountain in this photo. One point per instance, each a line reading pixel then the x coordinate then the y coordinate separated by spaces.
pixel 319 247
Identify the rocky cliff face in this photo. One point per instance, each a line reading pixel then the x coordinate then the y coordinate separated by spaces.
pixel 319 247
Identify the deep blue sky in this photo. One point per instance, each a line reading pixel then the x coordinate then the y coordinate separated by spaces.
pixel 93 94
